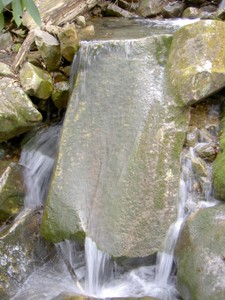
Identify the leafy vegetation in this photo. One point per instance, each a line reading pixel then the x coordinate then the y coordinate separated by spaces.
pixel 18 7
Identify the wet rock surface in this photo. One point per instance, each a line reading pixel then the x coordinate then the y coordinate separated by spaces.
pixel 17 112
pixel 22 250
pixel 200 255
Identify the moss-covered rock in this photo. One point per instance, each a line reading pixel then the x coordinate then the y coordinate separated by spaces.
pixel 196 63
pixel 22 251
pixel 49 48
pixel 69 41
pixel 11 191
pixel 200 255
pixel 60 94
pixel 35 81
pixel 5 70
pixel 17 112
pixel 219 165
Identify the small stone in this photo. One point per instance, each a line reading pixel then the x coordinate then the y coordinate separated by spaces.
pixel 5 70
pixel 115 11
pixel 87 33
pixel 150 8
pixel 12 191
pixel 36 82
pixel 80 20
pixel 174 9
pixel 49 48
pixel 60 94
pixel 69 41
pixel 191 13
pixel 192 137
pixel 207 151
pixel 16 47
pixel 199 167
pixel 5 40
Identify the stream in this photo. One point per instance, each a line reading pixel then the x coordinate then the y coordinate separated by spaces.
pixel 75 269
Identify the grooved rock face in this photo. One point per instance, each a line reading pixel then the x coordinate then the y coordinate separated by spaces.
pixel 117 173
pixel 196 63
pixel 17 112
pixel 199 255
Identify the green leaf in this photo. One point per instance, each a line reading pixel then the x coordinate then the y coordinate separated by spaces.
pixel 1 21
pixel 33 11
pixel 1 6
pixel 6 2
pixel 17 11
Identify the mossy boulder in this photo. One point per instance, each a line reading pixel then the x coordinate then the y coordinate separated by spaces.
pixel 69 41
pixel 196 64
pixel 60 94
pixel 17 112
pixel 219 165
pixel 117 172
pixel 49 48
pixel 22 251
pixel 200 255
pixel 36 82
pixel 12 191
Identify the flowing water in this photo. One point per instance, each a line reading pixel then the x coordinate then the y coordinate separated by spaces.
pixel 92 272
pixel 95 273
pixel 222 4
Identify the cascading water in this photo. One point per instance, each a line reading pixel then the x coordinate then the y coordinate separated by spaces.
pixel 222 4
pixel 94 273
pixel 38 157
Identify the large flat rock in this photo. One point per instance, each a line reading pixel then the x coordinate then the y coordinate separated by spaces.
pixel 117 172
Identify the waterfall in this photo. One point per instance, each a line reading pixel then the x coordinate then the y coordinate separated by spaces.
pixel 222 4
pixel 38 157
pixel 92 272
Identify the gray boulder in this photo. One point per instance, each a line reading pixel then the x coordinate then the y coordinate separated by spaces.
pixel 117 173
pixel 195 64
pixel 36 82
pixel 49 48
pixel 200 255
pixel 17 112
pixel 173 9
pixel 150 8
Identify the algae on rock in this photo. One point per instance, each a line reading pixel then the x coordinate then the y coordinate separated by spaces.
pixel 17 112
pixel 196 64
pixel 199 255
